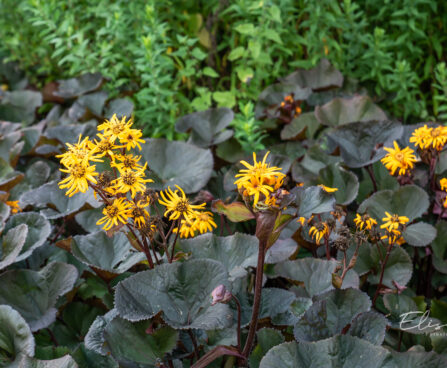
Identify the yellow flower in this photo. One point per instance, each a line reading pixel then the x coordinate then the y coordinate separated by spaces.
pixel 399 159
pixel 301 220
pixel 80 174
pixel 139 213
pixel 327 189
pixel 80 151
pixel 186 230
pixel 255 187
pixel 114 127
pixel 14 205
pixel 178 205
pixel 132 181
pixel 364 221
pixel 393 236
pixel 117 211
pixel 131 138
pixel 392 222
pixel 443 183
pixel 105 145
pixel 318 231
pixel 421 137
pixel 203 221
pixel 438 138
pixel 127 162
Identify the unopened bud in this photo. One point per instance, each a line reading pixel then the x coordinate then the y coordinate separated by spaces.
pixel 220 295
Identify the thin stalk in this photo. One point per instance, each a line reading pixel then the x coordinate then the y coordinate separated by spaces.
pixel 370 171
pixel 328 251
pixel 194 344
pixel 388 251
pixel 175 240
pixel 238 305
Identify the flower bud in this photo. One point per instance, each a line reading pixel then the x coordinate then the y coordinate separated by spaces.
pixel 220 295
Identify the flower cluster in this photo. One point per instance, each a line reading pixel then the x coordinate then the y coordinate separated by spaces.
pixel 290 106
pixel 443 184
pixel 259 180
pixel 397 159
pixel 426 138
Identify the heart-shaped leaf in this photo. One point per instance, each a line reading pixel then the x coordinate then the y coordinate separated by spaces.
pixel 419 234
pixel 12 244
pixel 89 358
pixel 369 326
pixel 306 122
pixel 114 254
pixel 178 163
pixel 182 291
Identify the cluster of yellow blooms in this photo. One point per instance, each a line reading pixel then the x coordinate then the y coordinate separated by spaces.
pixel 426 138
pixel 259 180
pixel 115 138
pixel 392 224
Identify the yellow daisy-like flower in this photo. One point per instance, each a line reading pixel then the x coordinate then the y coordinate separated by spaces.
pixel 14 206
pixel 364 221
pixel 392 222
pixel 421 137
pixel 119 210
pixel 438 138
pixel 139 214
pixel 81 151
pixel 126 162
pixel 318 231
pixel 393 236
pixel 114 127
pixel 261 170
pixel 187 230
pixel 105 145
pixel 178 205
pixel 399 159
pixel 80 173
pixel 327 189
pixel 443 183
pixel 254 187
pixel 131 181
pixel 131 138
pixel 203 221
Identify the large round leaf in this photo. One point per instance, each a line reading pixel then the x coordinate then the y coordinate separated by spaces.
pixel 370 326
pixel 64 362
pixel 95 340
pixel 34 294
pixel 419 234
pixel 88 358
pixel 346 182
pixel 342 111
pixel 11 245
pixel 181 290
pixel 114 254
pixel 313 200
pixel 16 338
pixel 266 338
pixel 339 351
pixel 359 141
pixel 130 343
pixel 73 87
pixel 207 127
pixel 330 314
pixel 316 274
pixel 409 200
pixel 440 248
pixel 302 124
pixel 39 229
pixel 177 163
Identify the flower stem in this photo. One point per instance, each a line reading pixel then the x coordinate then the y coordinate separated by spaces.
pixel 175 241
pixel 371 175
pixel 238 305
pixel 388 251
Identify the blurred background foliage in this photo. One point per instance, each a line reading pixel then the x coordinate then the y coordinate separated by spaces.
pixel 174 57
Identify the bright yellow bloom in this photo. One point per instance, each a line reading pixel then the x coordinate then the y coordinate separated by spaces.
pixel 443 183
pixel 255 187
pixel 318 231
pixel 131 181
pixel 131 138
pixel 438 138
pixel 186 230
pixel 80 151
pixel 392 222
pixel 114 127
pixel 80 174
pixel 105 145
pixel 117 211
pixel 399 159
pixel 393 236
pixel 127 162
pixel 327 189
pixel 178 205
pixel 203 222
pixel 139 213
pixel 364 221
pixel 421 137
pixel 14 205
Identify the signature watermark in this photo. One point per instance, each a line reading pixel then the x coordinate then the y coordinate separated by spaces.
pixel 418 321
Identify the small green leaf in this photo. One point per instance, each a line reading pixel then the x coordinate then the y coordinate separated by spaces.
pixel 245 29
pixel 235 211
pixel 210 72
pixel 236 53
pixel 225 99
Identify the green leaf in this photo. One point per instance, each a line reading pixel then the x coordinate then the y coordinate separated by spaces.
pixel 88 219
pixel 210 72
pixel 296 310
pixel 330 314
pixel 409 200
pixel 338 351
pixel 95 340
pixel 39 230
pixel 122 107
pixel 439 247
pixel 235 211
pixel 236 53
pixel 419 234
pixel 301 127
pixel 313 200
pixel 225 99
pixel 316 274
pixel 244 73
pixel 321 77
pixel 181 290
pixel 86 358
pixel 12 244
pixel 342 111
pixel 130 343
pixel 369 326
pixel 16 339
pixel 114 254
pixel 73 87
pixel 34 294
pixel 177 163
pixel 207 127
pixel 266 339
pixel 245 29
pixel 19 106
pixel 419 359
pixel 236 252
pixel 346 182
pixel 358 142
